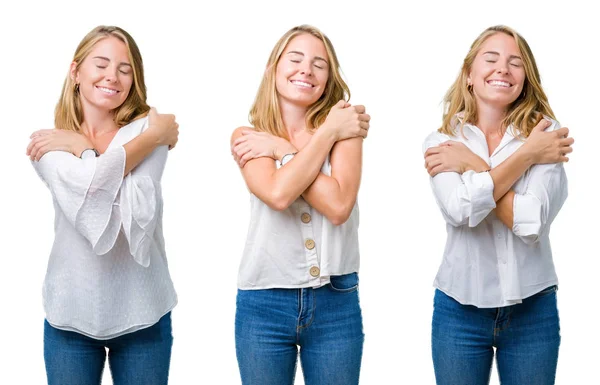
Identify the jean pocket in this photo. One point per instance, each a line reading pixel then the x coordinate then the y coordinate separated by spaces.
pixel 546 291
pixel 344 283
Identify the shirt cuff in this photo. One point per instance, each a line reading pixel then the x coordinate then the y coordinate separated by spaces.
pixel 526 216
pixel 480 188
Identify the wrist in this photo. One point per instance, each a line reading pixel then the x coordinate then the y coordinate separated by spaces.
pixel 79 148
pixel 481 166
pixel 152 138
pixel 282 148
pixel 526 156
pixel 287 157
pixel 326 133
pixel 89 152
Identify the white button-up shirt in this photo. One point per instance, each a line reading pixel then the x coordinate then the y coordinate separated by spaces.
pixel 297 247
pixel 485 263
pixel 107 274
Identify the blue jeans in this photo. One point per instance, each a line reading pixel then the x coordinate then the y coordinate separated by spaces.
pixel 140 358
pixel 325 323
pixel 526 337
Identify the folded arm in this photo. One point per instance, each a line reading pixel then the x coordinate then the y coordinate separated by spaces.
pixel 334 196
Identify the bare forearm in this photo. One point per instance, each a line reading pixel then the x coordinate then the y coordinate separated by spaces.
pixel 334 196
pixel 138 149
pixel 508 172
pixel 326 196
pixel 290 181
pixel 504 209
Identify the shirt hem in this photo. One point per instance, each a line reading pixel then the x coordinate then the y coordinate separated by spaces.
pixel 507 302
pixel 122 332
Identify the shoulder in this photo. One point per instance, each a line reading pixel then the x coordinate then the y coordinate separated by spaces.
pixel 136 126
pixel 554 124
pixel 55 156
pixel 238 132
pixel 434 139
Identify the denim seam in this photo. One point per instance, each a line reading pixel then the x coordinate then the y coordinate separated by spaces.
pixel 348 290
pixel 501 329
pixel 312 315
pixel 301 303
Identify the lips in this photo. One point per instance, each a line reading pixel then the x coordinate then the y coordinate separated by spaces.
pixel 107 91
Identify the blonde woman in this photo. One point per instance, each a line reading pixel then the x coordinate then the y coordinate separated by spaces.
pixel 107 283
pixel 497 174
pixel 302 162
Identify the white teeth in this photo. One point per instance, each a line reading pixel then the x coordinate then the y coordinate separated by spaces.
pixel 107 90
pixel 498 83
pixel 300 83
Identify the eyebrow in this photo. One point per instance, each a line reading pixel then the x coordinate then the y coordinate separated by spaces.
pixel 301 53
pixel 107 59
pixel 496 53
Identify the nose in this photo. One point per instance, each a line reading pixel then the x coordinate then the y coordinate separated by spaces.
pixel 111 75
pixel 306 68
pixel 502 68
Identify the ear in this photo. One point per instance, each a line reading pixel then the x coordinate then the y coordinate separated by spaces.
pixel 469 81
pixel 73 73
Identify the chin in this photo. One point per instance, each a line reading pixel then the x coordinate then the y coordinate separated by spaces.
pixel 500 100
pixel 301 101
pixel 107 106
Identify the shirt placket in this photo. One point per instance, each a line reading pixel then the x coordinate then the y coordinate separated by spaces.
pixel 500 242
pixel 303 215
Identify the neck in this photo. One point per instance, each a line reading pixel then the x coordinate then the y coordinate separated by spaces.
pixel 293 116
pixel 489 118
pixel 97 121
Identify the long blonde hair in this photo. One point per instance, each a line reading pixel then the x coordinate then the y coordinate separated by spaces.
pixel 523 114
pixel 68 114
pixel 265 114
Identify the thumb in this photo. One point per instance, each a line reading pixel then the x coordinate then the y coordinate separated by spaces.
pixel 542 125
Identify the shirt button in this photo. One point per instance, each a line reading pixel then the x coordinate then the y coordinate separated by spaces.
pixel 499 236
pixel 315 271
pixel 305 217
pixel 309 244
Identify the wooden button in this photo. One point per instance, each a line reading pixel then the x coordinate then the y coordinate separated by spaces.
pixel 310 244
pixel 305 218
pixel 315 271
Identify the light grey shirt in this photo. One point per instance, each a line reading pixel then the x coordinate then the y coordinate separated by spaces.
pixel 297 247
pixel 107 273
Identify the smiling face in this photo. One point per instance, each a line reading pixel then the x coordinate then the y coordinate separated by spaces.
pixel 302 71
pixel 497 74
pixel 105 76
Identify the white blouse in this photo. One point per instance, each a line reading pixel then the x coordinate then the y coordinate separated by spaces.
pixel 107 274
pixel 485 263
pixel 297 247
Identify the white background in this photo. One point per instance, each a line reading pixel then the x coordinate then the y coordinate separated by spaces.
pixel 204 63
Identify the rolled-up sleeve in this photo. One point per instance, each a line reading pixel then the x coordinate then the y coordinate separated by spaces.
pixel 463 199
pixel 86 191
pixel 535 209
